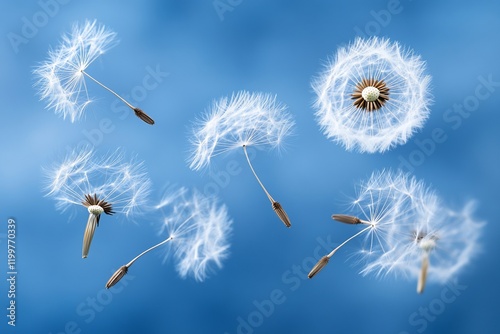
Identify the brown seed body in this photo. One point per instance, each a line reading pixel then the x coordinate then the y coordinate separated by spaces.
pixel 320 265
pixel 281 214
pixel 117 276
pixel 142 115
pixel 347 219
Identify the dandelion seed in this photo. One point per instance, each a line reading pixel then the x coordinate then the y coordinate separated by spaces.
pixel 347 219
pixel 101 184
pixel 372 96
pixel 142 115
pixel 123 270
pixel 244 120
pixel 436 247
pixel 409 231
pixel 324 260
pixel 61 78
pixel 320 265
pixel 197 230
pixel 278 209
pixel 117 276
pixel 281 213
pixel 384 200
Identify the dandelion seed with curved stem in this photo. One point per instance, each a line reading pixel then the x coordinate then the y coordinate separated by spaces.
pixel 198 230
pixel 244 120
pixel 422 238
pixel 123 270
pixel 383 201
pixel 61 78
pixel 106 184
pixel 372 96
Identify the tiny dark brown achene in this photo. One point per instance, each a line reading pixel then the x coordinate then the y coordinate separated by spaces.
pixel 320 265
pixel 346 219
pixel 96 207
pixel 281 213
pixel 117 276
pixel 370 94
pixel 142 115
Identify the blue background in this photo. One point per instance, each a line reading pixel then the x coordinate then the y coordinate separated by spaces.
pixel 267 46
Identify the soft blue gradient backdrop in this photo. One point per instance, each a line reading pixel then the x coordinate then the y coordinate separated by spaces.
pixel 267 46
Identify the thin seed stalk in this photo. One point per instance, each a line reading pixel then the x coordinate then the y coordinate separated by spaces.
pixel 278 209
pixel 349 239
pixel 148 250
pixel 108 89
pixel 324 260
pixel 255 174
pixel 138 112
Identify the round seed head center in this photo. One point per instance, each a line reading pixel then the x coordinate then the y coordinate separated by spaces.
pixel 370 94
pixel 95 210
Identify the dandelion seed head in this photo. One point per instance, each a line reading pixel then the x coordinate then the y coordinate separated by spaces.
pixel 366 71
pixel 110 178
pixel 60 78
pixel 370 93
pixel 383 202
pixel 199 228
pixel 245 119
pixel 411 223
pixel 95 210
pixel 450 240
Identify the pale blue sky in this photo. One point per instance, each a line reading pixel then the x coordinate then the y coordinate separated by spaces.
pixel 268 46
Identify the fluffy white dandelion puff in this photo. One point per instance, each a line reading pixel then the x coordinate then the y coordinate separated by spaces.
pixel 197 229
pixel 409 231
pixel 437 247
pixel 200 228
pixel 103 184
pixel 372 96
pixel 407 200
pixel 382 202
pixel 244 120
pixel 61 78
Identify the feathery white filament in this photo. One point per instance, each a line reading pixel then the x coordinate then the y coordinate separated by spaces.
pixel 199 228
pixel 61 80
pixel 124 184
pixel 251 119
